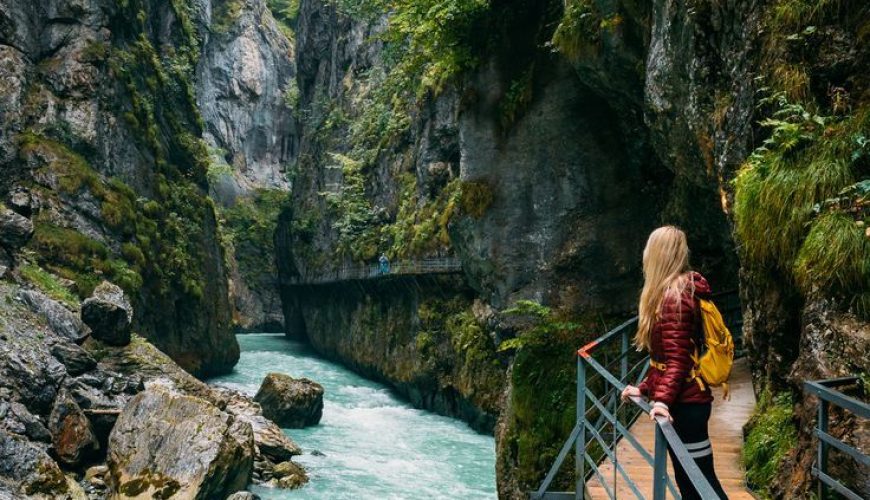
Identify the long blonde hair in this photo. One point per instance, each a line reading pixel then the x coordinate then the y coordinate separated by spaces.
pixel 665 264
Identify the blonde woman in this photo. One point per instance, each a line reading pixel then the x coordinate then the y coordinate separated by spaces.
pixel 668 328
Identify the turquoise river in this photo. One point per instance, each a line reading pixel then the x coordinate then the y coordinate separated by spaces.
pixel 374 444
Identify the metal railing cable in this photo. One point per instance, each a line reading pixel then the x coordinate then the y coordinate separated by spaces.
pixel 829 393
pixel 367 271
pixel 604 367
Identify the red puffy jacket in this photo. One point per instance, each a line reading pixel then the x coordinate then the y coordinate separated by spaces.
pixel 673 343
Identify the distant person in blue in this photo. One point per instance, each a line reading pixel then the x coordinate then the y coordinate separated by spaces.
pixel 384 264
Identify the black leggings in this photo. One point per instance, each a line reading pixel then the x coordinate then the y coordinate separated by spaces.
pixel 690 422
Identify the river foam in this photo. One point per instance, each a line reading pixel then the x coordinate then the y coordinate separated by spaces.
pixel 374 445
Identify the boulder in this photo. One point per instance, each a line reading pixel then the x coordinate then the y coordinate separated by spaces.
pixel 243 495
pixel 72 438
pixel 17 419
pixel 15 229
pixel 288 475
pixel 109 314
pixel 27 470
pixel 59 318
pixel 271 442
pixel 166 444
pixel 76 360
pixel 293 403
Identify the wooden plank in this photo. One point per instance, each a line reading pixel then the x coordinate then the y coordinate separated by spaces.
pixel 726 437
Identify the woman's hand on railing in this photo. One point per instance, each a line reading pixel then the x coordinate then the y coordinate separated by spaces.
pixel 630 391
pixel 660 410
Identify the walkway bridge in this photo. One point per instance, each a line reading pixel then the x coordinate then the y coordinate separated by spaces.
pixel 360 272
pixel 618 452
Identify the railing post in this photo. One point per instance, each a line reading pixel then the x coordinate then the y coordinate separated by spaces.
pixel 580 443
pixel 623 365
pixel 823 450
pixel 660 465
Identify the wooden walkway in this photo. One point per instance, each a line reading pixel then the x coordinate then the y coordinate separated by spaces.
pixel 726 435
pixel 370 271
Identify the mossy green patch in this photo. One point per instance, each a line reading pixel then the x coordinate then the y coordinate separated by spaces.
pixel 543 399
pixel 49 283
pixel 250 227
pixel 807 159
pixel 771 438
pixel 578 32
pixel 458 348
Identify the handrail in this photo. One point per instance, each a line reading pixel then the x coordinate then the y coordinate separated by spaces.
pixel 828 395
pixel 367 271
pixel 614 418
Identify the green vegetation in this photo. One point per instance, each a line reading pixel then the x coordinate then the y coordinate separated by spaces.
pixel 351 211
pixel 81 259
pixel 771 438
pixel 458 348
pixel 544 390
pixel 420 226
pixel 49 283
pixel 805 183
pixel 806 160
pixel 225 14
pixel 250 227
pixel 285 12
pixel 476 198
pixel 577 34
pixel 160 239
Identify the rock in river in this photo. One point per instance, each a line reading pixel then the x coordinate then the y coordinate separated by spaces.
pixel 109 314
pixel 167 444
pixel 290 402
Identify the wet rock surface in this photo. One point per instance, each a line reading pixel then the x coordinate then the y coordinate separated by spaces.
pixel 290 402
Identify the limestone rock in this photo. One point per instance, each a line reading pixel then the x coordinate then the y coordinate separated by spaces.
pixel 290 402
pixel 27 470
pixel 72 438
pixel 17 419
pixel 243 495
pixel 61 319
pixel 96 472
pixel 15 229
pixel 271 442
pixel 76 360
pixel 166 444
pixel 109 314
pixel 288 475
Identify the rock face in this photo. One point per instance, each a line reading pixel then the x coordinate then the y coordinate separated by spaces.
pixel 109 314
pixel 246 69
pixel 149 452
pixel 72 439
pixel 27 469
pixel 291 403
pixel 15 229
pixel 83 158
pixel 58 316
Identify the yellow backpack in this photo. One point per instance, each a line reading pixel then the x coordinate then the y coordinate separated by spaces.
pixel 713 367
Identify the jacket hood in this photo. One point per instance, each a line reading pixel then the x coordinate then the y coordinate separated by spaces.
pixel 702 288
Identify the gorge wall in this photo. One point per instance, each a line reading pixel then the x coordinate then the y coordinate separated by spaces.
pixel 120 123
pixel 539 142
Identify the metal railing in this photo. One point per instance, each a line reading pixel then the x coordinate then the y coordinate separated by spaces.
pixel 604 367
pixel 350 272
pixel 828 394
